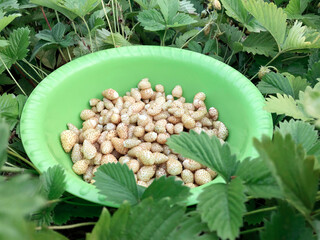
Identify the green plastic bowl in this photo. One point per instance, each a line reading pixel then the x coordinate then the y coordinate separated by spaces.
pixel 61 97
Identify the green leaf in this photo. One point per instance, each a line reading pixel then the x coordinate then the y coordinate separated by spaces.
pixel 297 83
pixel 101 229
pixel 310 99
pixel 297 38
pixel 9 5
pixel 302 133
pixel 117 182
pixel 182 39
pixel 119 221
pixel 55 4
pixel 4 133
pixel 6 20
pixel 119 40
pixel 167 187
pixel 296 8
pixel 221 206
pixel 191 227
pixel 63 212
pixel 79 7
pixel 270 17
pixel 18 44
pixel 181 19
pixel 53 182
pixel 186 7
pixel 151 20
pixel 194 46
pixel 21 99
pixel 258 179
pixel 153 220
pixel 231 35
pixel 168 8
pixel 205 150
pixel 147 4
pixel 291 168
pixel 19 196
pixel 236 10
pixel 3 43
pixel 260 43
pixel 313 73
pixel 284 104
pixel 275 83
pixel 286 224
pixel 9 109
pixel 48 234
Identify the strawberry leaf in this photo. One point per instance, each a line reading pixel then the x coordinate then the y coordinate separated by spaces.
pixel 302 133
pixel 221 206
pixel 292 169
pixel 205 150
pixel 258 179
pixel 260 43
pixel 4 133
pixel 270 17
pixel 117 183
pixel 167 187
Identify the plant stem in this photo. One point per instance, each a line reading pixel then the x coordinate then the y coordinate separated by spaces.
pixel 82 204
pixel 59 200
pixel 85 22
pixel 45 17
pixel 114 16
pixel 316 212
pixel 109 24
pixel 252 230
pixel 57 15
pixel 132 31
pixel 69 55
pixel 68 226
pixel 74 27
pixel 63 56
pixel 12 76
pixel 12 169
pixel 204 28
pixel 26 73
pixel 12 153
pixel 261 210
pixel 163 42
pixel 274 58
pixel 117 16
pixel 130 6
pixel 33 68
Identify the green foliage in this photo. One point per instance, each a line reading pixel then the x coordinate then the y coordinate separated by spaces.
pixel 167 187
pixel 293 170
pixel 9 109
pixel 286 224
pixel 117 182
pixel 167 17
pixel 4 133
pixel 19 198
pixel 284 104
pixel 280 36
pixel 64 212
pixel 260 43
pixel 270 17
pixel 6 20
pixel 226 216
pixel 17 48
pixel 207 151
pixel 301 132
pixel 258 179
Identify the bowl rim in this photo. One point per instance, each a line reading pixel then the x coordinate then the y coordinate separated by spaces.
pixel 30 120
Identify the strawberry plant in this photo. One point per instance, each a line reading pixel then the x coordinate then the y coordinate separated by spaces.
pixel 274 195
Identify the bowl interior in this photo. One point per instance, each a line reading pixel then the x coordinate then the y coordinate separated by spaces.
pixel 61 97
